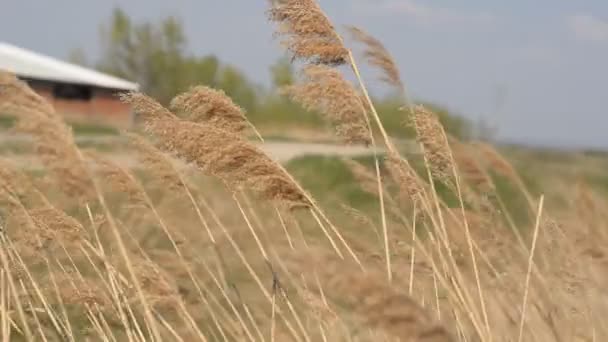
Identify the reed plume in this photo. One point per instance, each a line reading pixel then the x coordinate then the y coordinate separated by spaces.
pixel 54 141
pixel 497 163
pixel 204 104
pixel 307 32
pixel 18 184
pixel 431 136
pixel 219 153
pixel 42 228
pixel 377 55
pixel 76 290
pixel 365 178
pixel 471 169
pixel 17 95
pixel 157 162
pixel 409 183
pixel 373 301
pixel 119 179
pixel 325 90
pixel 479 188
pixel 158 286
pixel 62 225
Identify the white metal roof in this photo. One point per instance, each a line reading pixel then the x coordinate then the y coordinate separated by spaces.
pixel 29 64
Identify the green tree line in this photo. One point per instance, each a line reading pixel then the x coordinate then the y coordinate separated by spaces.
pixel 156 56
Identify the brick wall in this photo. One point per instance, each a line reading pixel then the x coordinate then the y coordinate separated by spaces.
pixel 104 107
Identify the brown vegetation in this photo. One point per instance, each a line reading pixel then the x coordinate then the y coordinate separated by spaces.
pixel 185 253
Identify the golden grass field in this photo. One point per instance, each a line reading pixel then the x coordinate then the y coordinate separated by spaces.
pixel 210 239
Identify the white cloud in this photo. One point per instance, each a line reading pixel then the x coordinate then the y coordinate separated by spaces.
pixel 424 13
pixel 588 27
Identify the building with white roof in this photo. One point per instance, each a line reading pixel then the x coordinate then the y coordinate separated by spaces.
pixel 75 91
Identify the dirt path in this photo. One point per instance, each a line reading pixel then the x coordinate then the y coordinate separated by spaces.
pixel 280 151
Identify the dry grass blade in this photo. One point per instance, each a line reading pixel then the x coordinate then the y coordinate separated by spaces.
pixel 307 32
pixel 325 90
pixel 378 56
pixel 222 154
pixel 529 272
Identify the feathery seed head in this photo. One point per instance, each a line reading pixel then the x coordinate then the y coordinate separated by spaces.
pixel 120 179
pixel 308 33
pixel 378 56
pixel 373 301
pixel 403 174
pixel 496 161
pixel 54 141
pixel 61 225
pixel 146 106
pixel 366 179
pixel 17 183
pixel 16 96
pixel 44 227
pixel 325 90
pixel 222 154
pixel 227 156
pixel 471 169
pixel 156 161
pixel 432 138
pixel 204 104
pixel 75 290
pixel 157 285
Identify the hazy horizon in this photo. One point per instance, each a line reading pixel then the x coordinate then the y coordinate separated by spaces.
pixel 537 71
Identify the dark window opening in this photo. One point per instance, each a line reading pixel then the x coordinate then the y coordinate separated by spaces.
pixel 72 92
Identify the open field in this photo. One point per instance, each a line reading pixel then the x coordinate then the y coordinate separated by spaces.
pixel 187 228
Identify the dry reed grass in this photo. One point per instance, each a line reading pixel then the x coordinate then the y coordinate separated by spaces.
pixel 204 104
pixel 431 136
pixel 325 90
pixel 368 297
pixel 307 32
pixel 54 141
pixel 220 153
pixel 377 55
pixel 78 271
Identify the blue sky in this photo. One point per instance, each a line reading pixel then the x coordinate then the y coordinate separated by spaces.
pixel 536 69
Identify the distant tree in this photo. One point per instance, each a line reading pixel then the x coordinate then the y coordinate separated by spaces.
pixel 204 70
pixel 149 54
pixel 155 56
pixel 77 56
pixel 282 73
pixel 236 85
